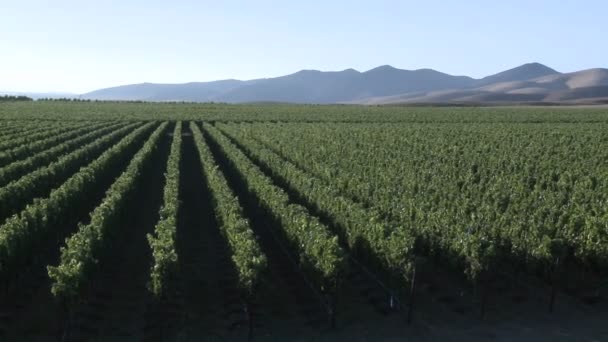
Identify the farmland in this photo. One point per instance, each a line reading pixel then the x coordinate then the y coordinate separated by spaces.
pixel 138 221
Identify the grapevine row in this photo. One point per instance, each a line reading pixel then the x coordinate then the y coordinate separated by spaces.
pixel 359 226
pixel 81 250
pixel 247 256
pixel 471 249
pixel 21 232
pixel 25 129
pixel 162 242
pixel 16 128
pixel 482 193
pixel 319 252
pixel 15 195
pixel 16 169
pixel 28 149
pixel 7 146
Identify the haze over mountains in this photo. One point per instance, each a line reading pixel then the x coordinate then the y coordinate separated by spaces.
pixel 528 83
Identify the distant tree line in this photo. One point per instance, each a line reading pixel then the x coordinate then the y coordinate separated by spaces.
pixel 10 98
pixel 70 99
pixel 67 99
pixel 63 99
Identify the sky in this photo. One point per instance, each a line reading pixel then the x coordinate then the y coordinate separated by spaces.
pixel 80 46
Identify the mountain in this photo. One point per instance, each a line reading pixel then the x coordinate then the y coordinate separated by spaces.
pixel 311 86
pixel 521 73
pixel 194 91
pixel 306 86
pixel 586 86
pixel 532 82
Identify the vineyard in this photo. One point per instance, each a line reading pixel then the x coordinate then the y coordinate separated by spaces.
pixel 180 222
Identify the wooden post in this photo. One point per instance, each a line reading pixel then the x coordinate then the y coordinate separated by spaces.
pixel 484 295
pixel 249 318
pixel 67 314
pixel 484 300
pixel 162 330
pixel 553 285
pixel 331 307
pixel 410 309
pixel 158 309
pixel 5 291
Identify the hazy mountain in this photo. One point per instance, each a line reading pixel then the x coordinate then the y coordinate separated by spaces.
pixel 306 86
pixel 195 91
pixel 531 82
pixel 311 86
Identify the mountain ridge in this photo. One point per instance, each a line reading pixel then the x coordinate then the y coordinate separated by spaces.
pixel 385 84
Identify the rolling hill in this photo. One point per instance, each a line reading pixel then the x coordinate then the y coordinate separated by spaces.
pixel 586 86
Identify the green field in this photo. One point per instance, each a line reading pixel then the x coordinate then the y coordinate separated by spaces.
pixel 140 221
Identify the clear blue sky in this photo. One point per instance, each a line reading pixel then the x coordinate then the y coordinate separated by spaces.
pixel 79 46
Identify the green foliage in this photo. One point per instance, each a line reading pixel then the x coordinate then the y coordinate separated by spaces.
pixel 359 226
pixel 319 252
pixel 17 194
pixel 247 255
pixel 62 110
pixel 477 194
pixel 55 149
pixel 80 252
pixel 7 98
pixel 162 242
pixel 11 148
pixel 22 231
pixel 17 129
pixel 478 187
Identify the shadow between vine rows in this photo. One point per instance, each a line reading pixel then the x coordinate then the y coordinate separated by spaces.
pixel 114 302
pixel 207 305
